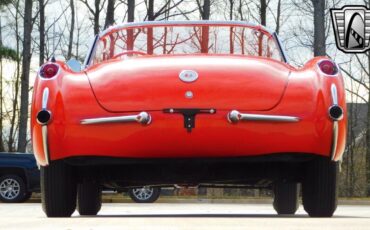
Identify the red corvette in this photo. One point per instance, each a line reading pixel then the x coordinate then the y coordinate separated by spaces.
pixel 192 103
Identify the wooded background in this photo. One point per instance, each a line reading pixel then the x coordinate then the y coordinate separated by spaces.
pixel 33 31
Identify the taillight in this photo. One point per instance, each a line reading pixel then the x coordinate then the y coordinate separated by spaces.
pixel 49 70
pixel 328 67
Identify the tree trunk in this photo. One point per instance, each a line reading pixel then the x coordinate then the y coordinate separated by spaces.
pixel 319 48
pixel 130 10
pixel 130 18
pixel 11 136
pixel 278 17
pixel 96 17
pixel 150 16
pixel 368 134
pixel 263 9
pixel 71 29
pixel 150 12
pixel 2 149
pixel 109 19
pixel 26 61
pixel 42 32
pixel 206 11
pixel 231 2
pixel 240 10
pixel 77 37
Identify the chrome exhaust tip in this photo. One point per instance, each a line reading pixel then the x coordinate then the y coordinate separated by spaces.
pixel 43 117
pixel 336 112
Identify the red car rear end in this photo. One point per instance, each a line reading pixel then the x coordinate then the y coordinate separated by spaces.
pixel 198 103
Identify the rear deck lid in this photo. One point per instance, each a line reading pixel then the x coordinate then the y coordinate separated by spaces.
pixel 223 82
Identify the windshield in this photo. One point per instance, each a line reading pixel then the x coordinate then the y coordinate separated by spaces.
pixel 184 39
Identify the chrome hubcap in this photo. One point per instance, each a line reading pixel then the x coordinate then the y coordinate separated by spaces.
pixel 9 189
pixel 143 193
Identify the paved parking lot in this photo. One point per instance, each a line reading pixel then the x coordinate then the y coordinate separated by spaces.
pixel 183 216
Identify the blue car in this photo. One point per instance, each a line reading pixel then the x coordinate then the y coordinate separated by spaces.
pixel 19 177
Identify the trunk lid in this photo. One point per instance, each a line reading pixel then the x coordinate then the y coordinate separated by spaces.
pixel 224 83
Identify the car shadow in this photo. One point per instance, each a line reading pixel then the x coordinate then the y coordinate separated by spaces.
pixel 210 216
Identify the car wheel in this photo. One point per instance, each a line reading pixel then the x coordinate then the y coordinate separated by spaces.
pixel 319 188
pixel 286 198
pixel 89 198
pixel 58 189
pixel 144 194
pixel 12 189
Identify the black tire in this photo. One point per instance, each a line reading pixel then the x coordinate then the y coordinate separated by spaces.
pixel 286 198
pixel 319 188
pixel 156 192
pixel 12 189
pixel 58 190
pixel 89 198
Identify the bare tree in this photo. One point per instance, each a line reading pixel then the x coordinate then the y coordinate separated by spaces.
pixel 130 18
pixel 6 53
pixel 26 61
pixel 109 19
pixel 71 29
pixel 362 80
pixel 163 10
pixel 205 9
pixel 319 46
pixel 263 10
pixel 95 11
pixel 231 11
pixel 15 86
pixel 130 10
pixel 42 31
pixel 278 14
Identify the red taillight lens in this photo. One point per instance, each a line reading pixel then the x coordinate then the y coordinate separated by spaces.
pixel 49 70
pixel 328 67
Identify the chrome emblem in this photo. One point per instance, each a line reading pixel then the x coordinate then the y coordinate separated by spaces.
pixel 189 94
pixel 352 28
pixel 188 76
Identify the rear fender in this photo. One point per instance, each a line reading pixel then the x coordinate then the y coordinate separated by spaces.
pixel 66 86
pixel 309 92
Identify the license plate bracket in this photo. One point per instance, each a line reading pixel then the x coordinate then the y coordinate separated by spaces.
pixel 189 115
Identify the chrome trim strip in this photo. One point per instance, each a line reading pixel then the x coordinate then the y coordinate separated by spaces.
pixel 334 94
pixel 334 99
pixel 195 22
pixel 142 118
pixel 44 127
pixel 45 99
pixel 44 131
pixel 235 116
pixel 334 140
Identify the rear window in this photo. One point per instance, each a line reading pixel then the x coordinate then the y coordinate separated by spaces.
pixel 169 40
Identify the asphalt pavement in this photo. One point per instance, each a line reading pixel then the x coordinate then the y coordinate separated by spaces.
pixel 183 216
